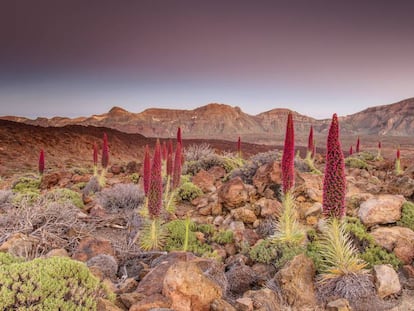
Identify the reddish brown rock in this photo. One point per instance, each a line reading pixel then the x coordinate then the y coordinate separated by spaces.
pixel 233 194
pixel 90 247
pixel 266 176
pixel 268 207
pixel 151 302
pixel 50 180
pixel 383 209
pixel 205 181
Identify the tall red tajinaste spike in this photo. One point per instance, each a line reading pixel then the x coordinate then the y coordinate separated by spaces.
pixel 169 159
pixel 239 146
pixel 398 153
pixel 147 170
pixel 311 141
pixel 357 146
pixel 155 188
pixel 288 158
pixel 179 138
pixel 95 154
pixel 164 151
pixel 41 162
pixel 177 167
pixel 334 183
pixel 105 151
pixel 379 145
pixel 351 151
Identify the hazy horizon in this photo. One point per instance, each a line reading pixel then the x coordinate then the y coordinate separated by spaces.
pixel 78 58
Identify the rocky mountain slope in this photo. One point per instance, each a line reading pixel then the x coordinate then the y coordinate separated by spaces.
pixel 226 122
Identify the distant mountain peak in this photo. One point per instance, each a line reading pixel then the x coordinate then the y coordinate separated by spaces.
pixel 115 110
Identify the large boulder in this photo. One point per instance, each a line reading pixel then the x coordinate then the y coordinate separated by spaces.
pixel 399 240
pixel 268 177
pixel 310 187
pixel 205 181
pixel 264 300
pixel 383 209
pixel 296 282
pixel 234 193
pixel 244 214
pixel 386 280
pixel 188 288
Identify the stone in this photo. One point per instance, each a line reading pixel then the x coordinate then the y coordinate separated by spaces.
pixel 218 172
pixel 129 299
pixel 188 288
pixel 268 177
pixel 127 286
pixel 221 305
pixel 386 280
pixel 20 245
pixel 240 278
pixel 310 186
pixel 216 209
pixel 57 252
pixel 383 209
pixel 107 264
pixel 244 304
pixel 233 194
pixel 151 302
pixel 90 247
pixel 264 272
pixel 314 210
pixel 50 180
pixel 296 282
pixel 244 214
pixel 116 169
pixel 264 300
pixel 106 305
pixel 269 207
pixel 399 240
pixel 76 178
pixel 205 181
pixel 340 304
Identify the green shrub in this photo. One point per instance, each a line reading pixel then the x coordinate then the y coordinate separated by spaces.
pixel 188 191
pixel 314 252
pixel 193 167
pixel 64 195
pixel 26 197
pixel 407 216
pixel 223 237
pixel 356 163
pixel 54 283
pixel 231 163
pixel 135 178
pixel 366 156
pixel 26 184
pixel 376 255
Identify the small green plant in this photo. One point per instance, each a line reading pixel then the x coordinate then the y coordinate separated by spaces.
pixel 223 237
pixel 135 178
pixel 188 192
pixel 376 255
pixel 25 198
pixel 54 283
pixel 407 216
pixel 63 195
pixel 152 235
pixel 354 162
pixel 231 162
pixel 28 184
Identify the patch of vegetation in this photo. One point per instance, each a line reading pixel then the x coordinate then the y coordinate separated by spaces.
pixel 64 195
pixel 92 186
pixel 376 255
pixel 278 254
pixel 193 167
pixel 178 236
pixel 135 178
pixel 26 184
pixel 366 156
pixel 223 237
pixel 188 191
pixel 153 235
pixel 80 185
pixel 407 216
pixel 231 162
pixel 54 283
pixel 356 163
pixel 127 196
pixel 26 197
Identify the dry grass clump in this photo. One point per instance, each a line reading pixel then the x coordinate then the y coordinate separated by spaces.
pixel 128 196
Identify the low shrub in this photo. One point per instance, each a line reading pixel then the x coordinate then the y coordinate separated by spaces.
pixel 26 184
pixel 353 162
pixel 54 283
pixel 64 195
pixel 197 152
pixel 122 196
pixel 407 215
pixel 92 186
pixel 223 237
pixel 188 192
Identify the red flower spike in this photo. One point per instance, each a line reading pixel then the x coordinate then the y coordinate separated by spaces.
pixel 179 138
pixel 398 153
pixel 105 151
pixel 351 151
pixel 379 145
pixel 311 141
pixel 95 154
pixel 155 186
pixel 239 146
pixel 357 146
pixel 41 162
pixel 177 167
pixel 147 170
pixel 164 151
pixel 334 182
pixel 288 158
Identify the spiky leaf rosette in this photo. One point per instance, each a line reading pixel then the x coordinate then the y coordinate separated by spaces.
pixel 155 185
pixel 179 138
pixel 147 170
pixel 95 154
pixel 357 146
pixel 398 169
pixel 334 180
pixel 41 162
pixel 311 141
pixel 105 151
pixel 177 167
pixel 288 158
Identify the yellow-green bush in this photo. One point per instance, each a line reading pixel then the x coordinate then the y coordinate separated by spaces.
pixel 48 284
pixel 356 163
pixel 407 215
pixel 64 195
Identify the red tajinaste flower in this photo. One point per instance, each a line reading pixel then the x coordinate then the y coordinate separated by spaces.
pixel 105 151
pixel 164 151
pixel 351 151
pixel 311 141
pixel 379 145
pixel 239 146
pixel 41 162
pixel 179 138
pixel 398 153
pixel 177 167
pixel 147 170
pixel 169 159
pixel 155 187
pixel 357 146
pixel 95 154
pixel 334 182
pixel 288 158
